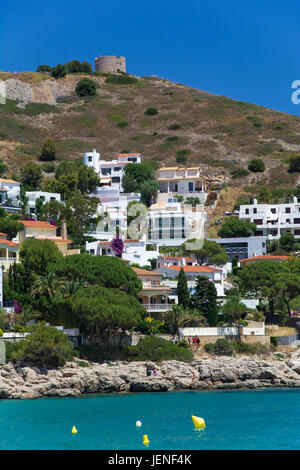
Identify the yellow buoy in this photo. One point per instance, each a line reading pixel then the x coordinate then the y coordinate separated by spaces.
pixel 74 430
pixel 198 422
pixel 145 440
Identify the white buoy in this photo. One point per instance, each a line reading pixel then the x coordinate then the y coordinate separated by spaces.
pixel 138 424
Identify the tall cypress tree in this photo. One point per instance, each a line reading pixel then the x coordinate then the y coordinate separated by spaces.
pixel 212 306
pixel 182 290
pixel 205 299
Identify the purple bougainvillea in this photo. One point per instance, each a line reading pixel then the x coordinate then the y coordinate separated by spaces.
pixel 117 245
pixel 17 307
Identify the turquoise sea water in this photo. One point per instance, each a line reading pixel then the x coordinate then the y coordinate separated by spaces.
pixel 247 420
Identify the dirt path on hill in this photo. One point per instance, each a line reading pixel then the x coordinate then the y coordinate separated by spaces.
pixel 225 203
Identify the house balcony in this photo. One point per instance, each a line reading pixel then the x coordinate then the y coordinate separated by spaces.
pixel 157 307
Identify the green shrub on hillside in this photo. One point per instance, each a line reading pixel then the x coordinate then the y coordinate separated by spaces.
pixel 44 68
pixel 86 87
pixel 48 151
pixel 256 165
pixel 294 164
pixel 239 173
pixel 122 124
pixel 181 155
pixel 59 71
pixel 33 109
pixel 151 112
pixel 121 80
pixel 48 167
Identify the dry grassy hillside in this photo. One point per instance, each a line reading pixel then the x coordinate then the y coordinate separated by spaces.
pixel 219 133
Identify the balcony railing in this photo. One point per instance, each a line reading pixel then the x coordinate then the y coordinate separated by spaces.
pixel 156 307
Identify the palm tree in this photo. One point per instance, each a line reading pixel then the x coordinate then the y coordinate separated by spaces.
pixel 68 288
pixel 47 285
pixel 179 317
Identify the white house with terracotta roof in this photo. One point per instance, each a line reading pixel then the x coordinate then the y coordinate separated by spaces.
pixel 111 172
pixel 164 260
pixel 255 259
pixel 154 296
pixel 45 231
pixel 192 272
pixel 214 274
pixel 9 252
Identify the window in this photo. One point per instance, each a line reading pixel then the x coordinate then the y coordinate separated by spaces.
pixel 287 221
pixel 246 211
pixel 297 221
pixel 273 210
pixel 42 198
pixel 90 159
pixel 255 210
pixel 287 210
pixel 52 198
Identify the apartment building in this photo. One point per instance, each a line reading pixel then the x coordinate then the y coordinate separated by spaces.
pixel 171 223
pixel 273 220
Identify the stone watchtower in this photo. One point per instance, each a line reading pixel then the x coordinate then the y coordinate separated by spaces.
pixel 110 63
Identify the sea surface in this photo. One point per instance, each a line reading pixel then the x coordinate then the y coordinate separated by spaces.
pixel 265 419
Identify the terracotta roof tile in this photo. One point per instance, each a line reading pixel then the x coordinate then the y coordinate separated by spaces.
pixel 194 269
pixel 37 224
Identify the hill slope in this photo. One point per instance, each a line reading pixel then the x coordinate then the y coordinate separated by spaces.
pixel 219 133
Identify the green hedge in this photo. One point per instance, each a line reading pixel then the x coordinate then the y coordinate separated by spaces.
pixel 151 348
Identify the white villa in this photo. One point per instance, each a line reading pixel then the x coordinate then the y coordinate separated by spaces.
pixel 188 181
pixel 9 194
pixel 135 251
pixel 110 172
pixel 43 195
pixel 181 180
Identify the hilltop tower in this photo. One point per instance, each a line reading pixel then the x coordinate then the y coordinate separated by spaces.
pixel 110 63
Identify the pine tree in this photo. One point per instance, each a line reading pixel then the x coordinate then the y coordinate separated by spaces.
pixel 182 290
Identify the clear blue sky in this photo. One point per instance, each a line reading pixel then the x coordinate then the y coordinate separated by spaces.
pixel 247 50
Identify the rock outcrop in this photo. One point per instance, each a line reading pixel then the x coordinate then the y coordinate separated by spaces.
pixel 23 382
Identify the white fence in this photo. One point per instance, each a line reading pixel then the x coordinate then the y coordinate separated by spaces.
pixel 257 329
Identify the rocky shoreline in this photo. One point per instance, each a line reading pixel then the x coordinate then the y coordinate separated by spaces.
pixel 74 379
